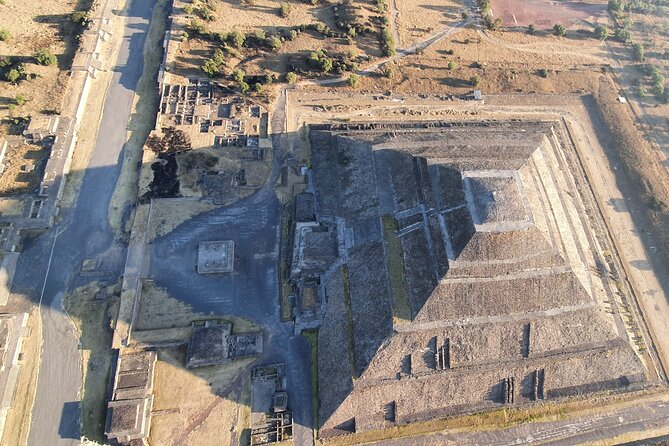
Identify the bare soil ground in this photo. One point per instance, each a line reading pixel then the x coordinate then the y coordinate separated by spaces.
pixel 23 169
pixel 11 206
pixel 168 214
pixel 32 26
pixel 264 16
pixel 545 14
pixel 189 407
pixel 505 62
pixel 17 424
pixel 417 19
pixel 91 317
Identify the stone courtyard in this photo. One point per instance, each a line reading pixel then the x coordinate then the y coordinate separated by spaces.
pixel 471 272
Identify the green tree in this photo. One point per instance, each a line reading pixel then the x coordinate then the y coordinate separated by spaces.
pixel 13 75
pixel 211 68
pixel 531 29
pixel 474 81
pixel 388 42
pixel 616 6
pixel 388 72
pixel 274 43
pixel 639 52
pixel 452 65
pixel 237 39
pixel 80 18
pixel 244 87
pixel 284 9
pixel 188 9
pixel 559 30
pixel 238 75
pixel 257 87
pixel 354 80
pixel 197 26
pixel 4 34
pixel 291 77
pixel 602 32
pixel 623 35
pixel 44 56
pixel 19 99
pixel 326 64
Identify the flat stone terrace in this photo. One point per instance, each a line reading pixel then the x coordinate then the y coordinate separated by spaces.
pixel 470 273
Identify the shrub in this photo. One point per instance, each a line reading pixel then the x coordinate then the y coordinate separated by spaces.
pixel 291 77
pixel 474 81
pixel 493 25
pixel 452 65
pixel 326 64
pixel 353 81
pixel 543 72
pixel 206 14
pixel 15 73
pixel 197 27
pixel 4 34
pixel 623 35
pixel 269 78
pixel 274 43
pixel 244 87
pixel 639 52
pixel 559 30
pixel 238 75
pixel 602 32
pixel 237 39
pixel 531 29
pixel 44 56
pixel 188 9
pixel 211 68
pixel 616 6
pixel 388 72
pixel 388 42
pixel 20 99
pixel 284 9
pixel 80 18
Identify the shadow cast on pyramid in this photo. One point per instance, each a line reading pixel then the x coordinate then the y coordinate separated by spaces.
pixel 466 273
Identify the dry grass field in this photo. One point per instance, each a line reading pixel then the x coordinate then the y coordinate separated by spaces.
pixel 269 37
pixel 32 26
pixel 209 405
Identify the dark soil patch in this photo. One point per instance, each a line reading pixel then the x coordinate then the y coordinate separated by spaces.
pixel 165 182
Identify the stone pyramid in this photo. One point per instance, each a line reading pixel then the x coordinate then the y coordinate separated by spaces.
pixel 471 277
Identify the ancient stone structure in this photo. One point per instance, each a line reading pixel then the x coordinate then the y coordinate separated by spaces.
pixel 129 411
pixel 213 343
pixel 470 273
pixel 216 257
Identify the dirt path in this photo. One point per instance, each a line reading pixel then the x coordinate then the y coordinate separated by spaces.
pixel 394 13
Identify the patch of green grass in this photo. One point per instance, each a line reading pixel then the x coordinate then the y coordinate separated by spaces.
pixel 349 322
pixel 95 338
pixel 286 288
pixel 312 337
pixel 398 281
